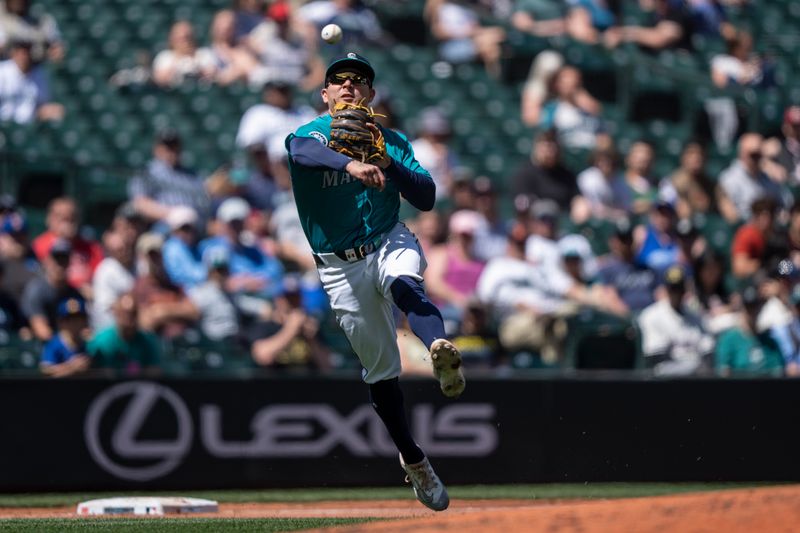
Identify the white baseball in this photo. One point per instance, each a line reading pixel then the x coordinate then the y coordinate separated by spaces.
pixel 331 34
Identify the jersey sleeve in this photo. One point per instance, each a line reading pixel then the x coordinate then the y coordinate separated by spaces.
pixel 407 151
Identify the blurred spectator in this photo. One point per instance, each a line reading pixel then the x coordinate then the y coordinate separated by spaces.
pixel 292 245
pixel 18 259
pixel 429 227
pixel 577 259
pixel 634 189
pixel 65 353
pixel 571 111
pixel 742 349
pixel 674 341
pixel 128 222
pixel 587 19
pixel 252 271
pixel 11 318
pixel 656 241
pixel 163 307
pixel 139 75
pixel 691 244
pixel 43 294
pixel 115 276
pixel 260 189
pixel 755 242
pixel 490 240
pixel 249 14
pixel 541 18
pixel 536 90
pixel 789 157
pixel 462 37
pixel 692 190
pixel 584 20
pixel 225 316
pixel 634 283
pixel 527 298
pixel 18 23
pixel 714 301
pixel 24 90
pixel 360 27
pixel 123 346
pixel 744 181
pixel 283 52
pixel 432 151
pixel 165 183
pixel 770 161
pixel 596 184
pixel 671 27
pixel 63 222
pixel 793 235
pixel 476 339
pixel 453 269
pixel 232 62
pixel 269 122
pixel 181 254
pixel 541 248
pixel 294 340
pixel 183 59
pixel 462 192
pixel 710 17
pixel 543 175
pixel 739 66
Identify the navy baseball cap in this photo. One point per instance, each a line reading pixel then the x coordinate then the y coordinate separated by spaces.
pixel 351 61
pixel 71 307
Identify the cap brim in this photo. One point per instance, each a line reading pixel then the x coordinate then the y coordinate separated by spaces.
pixel 350 63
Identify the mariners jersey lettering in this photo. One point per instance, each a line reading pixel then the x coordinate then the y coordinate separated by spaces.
pixel 337 211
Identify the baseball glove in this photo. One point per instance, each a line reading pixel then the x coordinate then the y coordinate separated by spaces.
pixel 351 136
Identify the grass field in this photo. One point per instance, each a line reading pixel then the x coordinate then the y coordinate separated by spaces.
pixel 545 491
pixel 226 525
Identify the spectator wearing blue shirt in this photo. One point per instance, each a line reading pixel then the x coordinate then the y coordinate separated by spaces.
pixel 252 271
pixel 65 353
pixel 181 256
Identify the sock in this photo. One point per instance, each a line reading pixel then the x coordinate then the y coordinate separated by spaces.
pixel 423 317
pixel 387 400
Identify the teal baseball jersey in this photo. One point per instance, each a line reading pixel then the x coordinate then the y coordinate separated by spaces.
pixel 337 211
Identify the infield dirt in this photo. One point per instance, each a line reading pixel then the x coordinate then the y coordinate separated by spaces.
pixel 773 509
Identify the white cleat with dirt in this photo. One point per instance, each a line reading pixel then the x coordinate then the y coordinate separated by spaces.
pixel 428 488
pixel 446 361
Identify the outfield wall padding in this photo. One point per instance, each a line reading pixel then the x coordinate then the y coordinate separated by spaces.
pixel 93 434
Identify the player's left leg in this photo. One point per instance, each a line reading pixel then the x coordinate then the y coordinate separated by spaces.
pixel 401 264
pixel 426 323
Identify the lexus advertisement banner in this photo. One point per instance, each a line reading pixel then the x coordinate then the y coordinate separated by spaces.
pixel 191 434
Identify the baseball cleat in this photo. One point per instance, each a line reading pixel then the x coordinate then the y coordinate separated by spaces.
pixel 428 488
pixel 446 361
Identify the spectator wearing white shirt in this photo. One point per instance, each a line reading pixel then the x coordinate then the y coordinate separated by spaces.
pixel 269 123
pixel 743 181
pixel 183 59
pixel 24 91
pixel 674 341
pixel 40 29
pixel 595 184
pixel 114 277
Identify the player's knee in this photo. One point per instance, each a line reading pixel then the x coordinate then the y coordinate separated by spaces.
pixel 405 286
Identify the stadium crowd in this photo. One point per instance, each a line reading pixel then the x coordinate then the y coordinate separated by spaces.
pixel 224 257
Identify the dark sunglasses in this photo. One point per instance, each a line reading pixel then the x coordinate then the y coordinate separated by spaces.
pixel 357 79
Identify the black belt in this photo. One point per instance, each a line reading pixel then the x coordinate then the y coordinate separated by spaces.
pixel 351 255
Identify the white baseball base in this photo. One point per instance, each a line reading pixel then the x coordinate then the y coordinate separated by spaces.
pixel 147 505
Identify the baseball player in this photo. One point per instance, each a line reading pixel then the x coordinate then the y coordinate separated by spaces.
pixel 366 258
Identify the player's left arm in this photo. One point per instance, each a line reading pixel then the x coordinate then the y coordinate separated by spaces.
pixel 414 182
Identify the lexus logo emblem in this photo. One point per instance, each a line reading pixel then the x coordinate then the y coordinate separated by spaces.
pixel 160 457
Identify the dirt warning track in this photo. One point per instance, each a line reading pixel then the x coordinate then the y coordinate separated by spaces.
pixel 773 509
